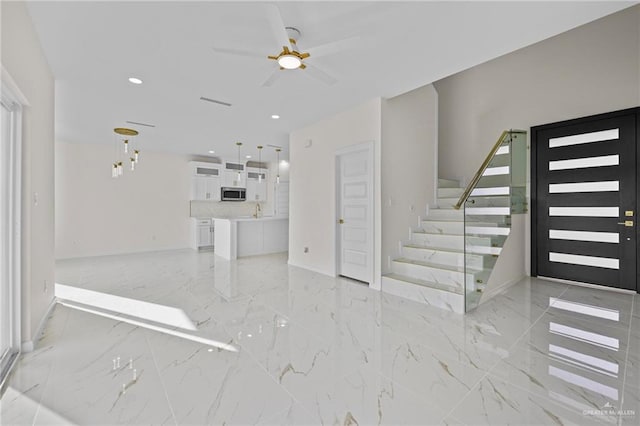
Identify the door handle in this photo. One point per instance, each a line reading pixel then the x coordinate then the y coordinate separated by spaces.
pixel 340 221
pixel 626 223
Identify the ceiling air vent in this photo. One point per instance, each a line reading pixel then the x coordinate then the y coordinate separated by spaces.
pixel 214 101
pixel 141 124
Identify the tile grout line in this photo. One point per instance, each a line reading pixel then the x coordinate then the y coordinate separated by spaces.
pixel 164 388
pixel 488 372
pixel 626 358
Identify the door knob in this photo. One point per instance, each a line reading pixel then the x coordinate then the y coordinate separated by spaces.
pixel 340 221
pixel 626 223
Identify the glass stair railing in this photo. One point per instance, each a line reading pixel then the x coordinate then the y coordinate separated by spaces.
pixel 497 191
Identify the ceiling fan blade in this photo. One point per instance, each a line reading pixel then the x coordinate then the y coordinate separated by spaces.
pixel 334 47
pixel 318 74
pixel 277 26
pixel 272 78
pixel 238 52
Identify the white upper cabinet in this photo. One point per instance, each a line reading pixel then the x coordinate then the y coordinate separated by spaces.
pixel 256 188
pixel 230 176
pixel 205 181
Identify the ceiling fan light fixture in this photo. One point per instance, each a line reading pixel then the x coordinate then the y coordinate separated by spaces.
pixel 289 62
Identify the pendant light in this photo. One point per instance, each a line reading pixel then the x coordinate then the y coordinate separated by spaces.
pixel 126 137
pixel 239 144
pixel 278 163
pixel 259 163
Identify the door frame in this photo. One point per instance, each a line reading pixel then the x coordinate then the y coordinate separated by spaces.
pixel 11 95
pixel 533 166
pixel 368 146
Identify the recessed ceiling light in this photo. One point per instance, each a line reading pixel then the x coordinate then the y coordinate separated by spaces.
pixel 135 80
pixel 275 116
pixel 247 156
pixel 211 151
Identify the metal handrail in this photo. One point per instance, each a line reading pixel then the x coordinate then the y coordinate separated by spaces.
pixel 476 178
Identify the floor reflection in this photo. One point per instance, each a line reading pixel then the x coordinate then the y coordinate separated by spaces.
pixel 274 344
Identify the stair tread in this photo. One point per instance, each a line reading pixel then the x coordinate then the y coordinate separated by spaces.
pixel 433 265
pixel 434 248
pixel 424 283
pixel 422 231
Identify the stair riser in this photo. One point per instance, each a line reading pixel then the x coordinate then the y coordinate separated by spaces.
pixel 489 202
pixel 450 192
pixel 446 203
pixel 445 214
pixel 500 160
pixel 455 242
pixel 487 211
pixel 498 180
pixel 444 257
pixel 426 295
pixel 427 273
pixel 448 183
pixel 498 220
pixel 443 227
pixel 458 228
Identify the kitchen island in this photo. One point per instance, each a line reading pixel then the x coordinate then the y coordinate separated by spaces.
pixel 248 236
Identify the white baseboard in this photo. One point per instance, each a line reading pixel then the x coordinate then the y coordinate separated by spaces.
pixel 29 345
pixel 500 289
pixel 310 269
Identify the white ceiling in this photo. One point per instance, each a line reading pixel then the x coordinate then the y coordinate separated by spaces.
pixel 93 47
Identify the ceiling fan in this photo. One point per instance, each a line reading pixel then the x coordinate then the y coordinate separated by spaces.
pixel 291 57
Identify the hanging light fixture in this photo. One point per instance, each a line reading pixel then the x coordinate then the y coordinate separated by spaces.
pixel 126 136
pixel 259 163
pixel 239 144
pixel 278 160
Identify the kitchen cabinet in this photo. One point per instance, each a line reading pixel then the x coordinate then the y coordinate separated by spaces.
pixel 205 188
pixel 203 235
pixel 205 181
pixel 240 237
pixel 256 190
pixel 230 175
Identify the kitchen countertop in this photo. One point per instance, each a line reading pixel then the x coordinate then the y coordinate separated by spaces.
pixel 250 218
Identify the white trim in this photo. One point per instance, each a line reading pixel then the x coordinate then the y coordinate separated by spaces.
pixel 370 147
pixel 589 285
pixel 13 89
pixel 12 97
pixel 29 345
pixel 501 288
pixel 310 268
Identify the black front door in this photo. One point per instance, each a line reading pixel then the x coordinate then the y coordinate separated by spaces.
pixel 584 200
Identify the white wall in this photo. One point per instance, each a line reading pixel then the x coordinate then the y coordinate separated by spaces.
pixel 141 211
pixel 409 143
pixel 592 69
pixel 312 216
pixel 24 60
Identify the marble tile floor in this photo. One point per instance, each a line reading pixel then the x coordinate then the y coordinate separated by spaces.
pixel 307 349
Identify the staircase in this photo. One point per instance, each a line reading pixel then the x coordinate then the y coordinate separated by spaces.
pixel 433 267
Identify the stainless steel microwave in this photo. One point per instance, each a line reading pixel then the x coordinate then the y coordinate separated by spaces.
pixel 233 194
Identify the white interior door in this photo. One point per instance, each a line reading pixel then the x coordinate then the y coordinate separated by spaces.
pixel 355 212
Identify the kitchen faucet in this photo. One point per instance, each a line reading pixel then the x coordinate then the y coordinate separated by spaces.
pixel 258 209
